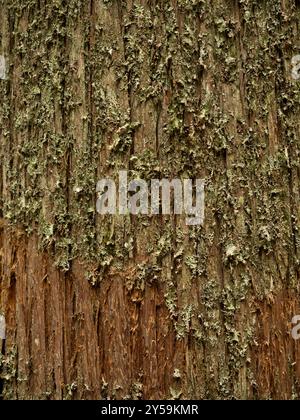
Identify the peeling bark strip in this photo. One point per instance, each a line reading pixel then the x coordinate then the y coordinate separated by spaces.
pixel 141 306
pixel 2 327
pixel 2 68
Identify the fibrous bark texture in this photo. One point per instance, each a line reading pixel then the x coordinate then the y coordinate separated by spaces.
pixel 145 306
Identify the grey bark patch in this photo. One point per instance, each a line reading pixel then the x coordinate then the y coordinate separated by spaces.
pixel 2 67
pixel 2 327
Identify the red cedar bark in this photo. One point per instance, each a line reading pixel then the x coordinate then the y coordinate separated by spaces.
pixel 147 307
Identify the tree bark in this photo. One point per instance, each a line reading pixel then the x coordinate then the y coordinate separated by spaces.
pixel 139 306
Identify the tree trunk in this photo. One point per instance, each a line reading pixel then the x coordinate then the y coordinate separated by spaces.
pixel 146 306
